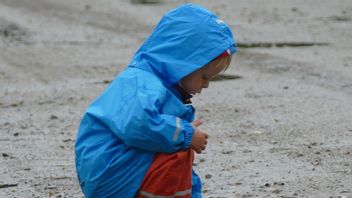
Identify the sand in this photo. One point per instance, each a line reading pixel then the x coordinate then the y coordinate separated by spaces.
pixel 284 129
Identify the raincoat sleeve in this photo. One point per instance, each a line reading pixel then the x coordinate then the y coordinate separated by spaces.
pixel 138 122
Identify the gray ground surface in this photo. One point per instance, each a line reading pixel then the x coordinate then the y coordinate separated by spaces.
pixel 282 130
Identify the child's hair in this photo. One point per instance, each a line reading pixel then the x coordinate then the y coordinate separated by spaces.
pixel 221 62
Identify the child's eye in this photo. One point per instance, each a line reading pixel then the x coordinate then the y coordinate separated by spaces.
pixel 204 77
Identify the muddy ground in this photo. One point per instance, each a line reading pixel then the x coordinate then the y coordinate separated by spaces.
pixel 283 129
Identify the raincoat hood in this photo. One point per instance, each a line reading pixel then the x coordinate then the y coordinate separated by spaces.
pixel 185 39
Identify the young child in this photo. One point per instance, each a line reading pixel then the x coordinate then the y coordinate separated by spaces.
pixel 138 138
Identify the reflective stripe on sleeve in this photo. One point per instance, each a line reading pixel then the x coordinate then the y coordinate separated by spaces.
pixel 179 193
pixel 177 131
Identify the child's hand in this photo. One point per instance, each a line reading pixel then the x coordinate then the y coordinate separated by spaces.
pixel 199 140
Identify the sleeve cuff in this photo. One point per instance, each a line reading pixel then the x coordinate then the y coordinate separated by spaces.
pixel 188 131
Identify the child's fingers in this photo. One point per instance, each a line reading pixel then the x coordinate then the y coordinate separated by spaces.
pixel 197 122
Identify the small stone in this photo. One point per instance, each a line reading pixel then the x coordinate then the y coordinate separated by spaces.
pixel 5 155
pixel 246 151
pixel 107 81
pixel 256 132
pixel 316 162
pixel 207 176
pixel 17 104
pixel 226 152
pixel 276 191
pixel 53 117
pixel 87 7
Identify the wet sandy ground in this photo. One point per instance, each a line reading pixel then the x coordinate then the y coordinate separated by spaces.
pixel 284 129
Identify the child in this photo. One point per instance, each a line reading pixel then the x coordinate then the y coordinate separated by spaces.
pixel 138 138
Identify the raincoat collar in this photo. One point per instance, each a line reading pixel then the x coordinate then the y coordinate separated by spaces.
pixel 185 96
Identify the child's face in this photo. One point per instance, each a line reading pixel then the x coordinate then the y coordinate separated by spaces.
pixel 199 79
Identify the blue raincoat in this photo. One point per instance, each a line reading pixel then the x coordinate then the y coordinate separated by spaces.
pixel 141 113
